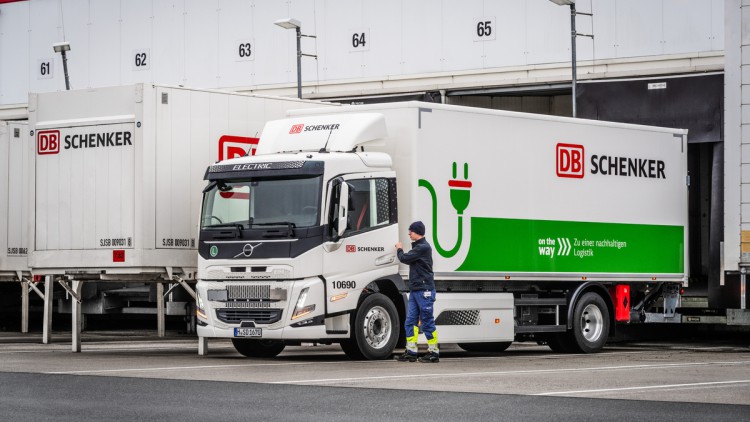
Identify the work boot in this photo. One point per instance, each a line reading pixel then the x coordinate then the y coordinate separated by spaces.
pixel 406 357
pixel 430 357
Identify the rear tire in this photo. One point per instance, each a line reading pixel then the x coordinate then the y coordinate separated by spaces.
pixel 258 348
pixel 375 329
pixel 494 347
pixel 590 324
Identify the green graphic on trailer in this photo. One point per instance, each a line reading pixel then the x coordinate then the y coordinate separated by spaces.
pixel 517 245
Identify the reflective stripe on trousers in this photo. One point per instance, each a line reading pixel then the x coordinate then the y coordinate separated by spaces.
pixel 420 309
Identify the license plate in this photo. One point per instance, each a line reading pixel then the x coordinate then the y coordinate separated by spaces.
pixel 248 332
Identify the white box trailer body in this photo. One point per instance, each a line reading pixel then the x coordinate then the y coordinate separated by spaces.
pixel 118 173
pixel 539 196
pixel 534 220
pixel 15 155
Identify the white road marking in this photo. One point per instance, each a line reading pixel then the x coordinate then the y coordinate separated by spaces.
pixel 535 371
pixel 648 387
pixel 115 349
pixel 176 368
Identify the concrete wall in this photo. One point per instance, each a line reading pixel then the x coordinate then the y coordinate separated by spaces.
pixel 408 44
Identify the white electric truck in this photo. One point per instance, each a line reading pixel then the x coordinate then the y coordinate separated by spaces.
pixel 543 229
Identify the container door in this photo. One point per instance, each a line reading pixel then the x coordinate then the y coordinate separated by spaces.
pixel 85 197
pixel 18 189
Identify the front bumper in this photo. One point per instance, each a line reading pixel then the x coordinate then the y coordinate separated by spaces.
pixel 230 305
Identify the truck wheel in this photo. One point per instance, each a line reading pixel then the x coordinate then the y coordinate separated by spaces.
pixel 590 324
pixel 351 349
pixel 498 346
pixel 258 348
pixel 375 330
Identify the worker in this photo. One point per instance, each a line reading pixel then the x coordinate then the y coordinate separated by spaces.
pixel 421 296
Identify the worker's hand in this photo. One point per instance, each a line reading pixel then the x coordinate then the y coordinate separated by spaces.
pixel 399 245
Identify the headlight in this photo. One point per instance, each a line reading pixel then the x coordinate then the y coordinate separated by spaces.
pixel 300 309
pixel 199 307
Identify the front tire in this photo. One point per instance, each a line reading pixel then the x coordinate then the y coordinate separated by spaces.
pixel 258 348
pixel 351 350
pixel 375 329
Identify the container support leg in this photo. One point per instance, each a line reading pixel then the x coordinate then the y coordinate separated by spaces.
pixel 47 317
pixel 25 287
pixel 202 346
pixel 184 285
pixel 32 286
pixel 160 322
pixel 76 314
pixel 25 306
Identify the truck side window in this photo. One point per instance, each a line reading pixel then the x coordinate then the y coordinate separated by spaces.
pixel 369 205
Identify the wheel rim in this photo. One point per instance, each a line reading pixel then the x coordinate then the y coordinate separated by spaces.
pixel 592 323
pixel 377 327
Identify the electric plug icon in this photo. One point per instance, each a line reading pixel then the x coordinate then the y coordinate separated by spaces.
pixel 460 193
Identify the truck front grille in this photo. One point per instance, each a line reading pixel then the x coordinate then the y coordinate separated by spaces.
pixel 249 292
pixel 259 316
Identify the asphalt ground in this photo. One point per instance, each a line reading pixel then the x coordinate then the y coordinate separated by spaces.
pixel 134 375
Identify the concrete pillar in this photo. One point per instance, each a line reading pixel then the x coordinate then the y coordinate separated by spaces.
pixel 76 316
pixel 47 317
pixel 160 321
pixel 25 306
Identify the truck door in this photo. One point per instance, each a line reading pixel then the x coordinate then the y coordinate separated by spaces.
pixel 365 250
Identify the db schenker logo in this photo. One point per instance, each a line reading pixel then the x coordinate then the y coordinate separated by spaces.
pixel 236 146
pixel 296 129
pixel 48 142
pixel 569 159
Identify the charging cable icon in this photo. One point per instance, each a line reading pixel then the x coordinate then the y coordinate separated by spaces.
pixel 460 194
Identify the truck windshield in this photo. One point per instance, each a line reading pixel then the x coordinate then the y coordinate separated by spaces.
pixel 262 202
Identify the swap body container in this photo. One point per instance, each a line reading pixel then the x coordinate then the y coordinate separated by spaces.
pixel 118 174
pixel 536 197
pixel 15 155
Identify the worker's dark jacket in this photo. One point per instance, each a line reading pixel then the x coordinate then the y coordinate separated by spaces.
pixel 419 259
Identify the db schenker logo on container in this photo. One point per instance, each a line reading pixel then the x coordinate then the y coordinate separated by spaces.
pixel 236 146
pixel 296 129
pixel 569 159
pixel 47 142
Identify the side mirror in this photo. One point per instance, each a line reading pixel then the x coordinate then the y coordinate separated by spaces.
pixel 342 209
